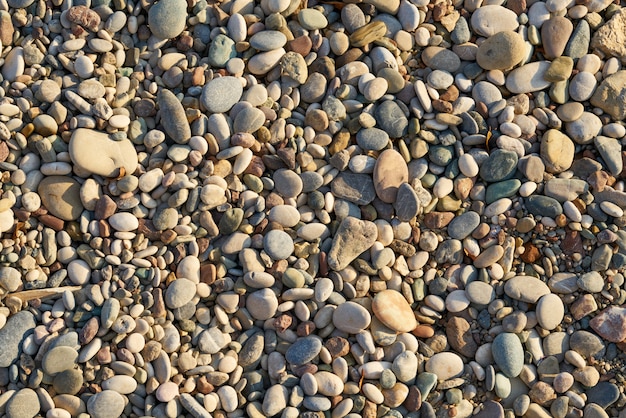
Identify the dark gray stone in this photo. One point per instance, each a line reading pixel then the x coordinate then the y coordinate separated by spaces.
pixel 543 206
pixel 604 394
pixel 407 204
pixel 462 226
pixel 501 165
pixel 303 350
pixel 356 188
pixel 390 118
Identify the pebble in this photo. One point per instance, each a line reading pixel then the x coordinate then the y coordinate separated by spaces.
pixel 23 404
pixel 117 157
pixel 167 18
pixel 508 354
pixel 550 311
pixel 392 309
pixel 351 201
pixel 61 196
pixel 105 403
pixel 492 19
pixel 501 51
pixel 303 350
pixel 220 94
pixel 351 318
pixel 445 366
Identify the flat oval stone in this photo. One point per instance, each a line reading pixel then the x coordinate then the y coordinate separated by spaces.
pixel 528 78
pixel 543 206
pixel 105 404
pixel 23 404
pixel 113 156
pixel 586 343
pixel 59 359
pixel 488 20
pixel 550 311
pixel 220 94
pixel 278 244
pixel 268 40
pixel 262 63
pixel 303 350
pixel 312 19
pixel 351 317
pixel 508 353
pixel 123 222
pixel 173 117
pixel 603 394
pixel 438 58
pixel 480 293
pixel 372 139
pixel 446 365
pixel 526 288
pixel 457 301
pixel 392 309
pixel 179 293
pixel 249 120
pixel 463 225
pixel 121 384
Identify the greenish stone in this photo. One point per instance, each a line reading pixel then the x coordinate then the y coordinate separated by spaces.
pixel 502 189
pixel 441 155
pixel 222 49
pixel 68 381
pixel 142 273
pixel 559 92
pixel 382 335
pixel 533 35
pixel 128 183
pixel 429 180
pixel 230 221
pixel 560 69
pixel 560 407
pixel 358 403
pixel 543 206
pixel 253 182
pixel 425 382
pixel 125 71
pixel 292 278
pixel 454 396
pixel 501 165
pixel 578 44
pixel 394 79
pixel 452 169
pixel 387 379
pixel 449 204
pixel 316 200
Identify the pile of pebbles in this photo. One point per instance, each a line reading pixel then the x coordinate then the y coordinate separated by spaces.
pixel 370 208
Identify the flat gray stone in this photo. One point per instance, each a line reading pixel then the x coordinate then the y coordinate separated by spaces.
pixel 352 238
pixel 12 335
pixel 220 94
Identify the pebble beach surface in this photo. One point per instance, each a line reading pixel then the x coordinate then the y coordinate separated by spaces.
pixel 282 208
